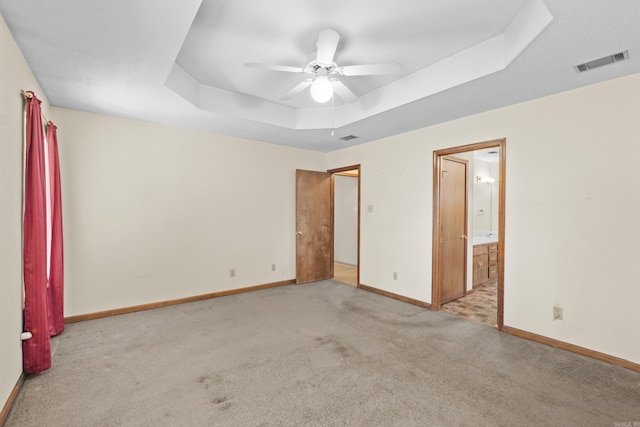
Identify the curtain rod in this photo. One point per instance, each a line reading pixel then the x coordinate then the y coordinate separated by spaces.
pixel 29 94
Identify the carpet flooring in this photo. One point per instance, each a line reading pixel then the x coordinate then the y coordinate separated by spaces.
pixel 320 354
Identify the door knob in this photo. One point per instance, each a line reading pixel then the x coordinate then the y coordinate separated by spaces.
pixel 464 236
pixel 299 232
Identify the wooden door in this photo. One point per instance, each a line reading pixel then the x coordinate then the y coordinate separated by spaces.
pixel 453 228
pixel 314 226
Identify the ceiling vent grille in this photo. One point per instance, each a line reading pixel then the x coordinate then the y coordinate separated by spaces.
pixel 600 62
pixel 348 138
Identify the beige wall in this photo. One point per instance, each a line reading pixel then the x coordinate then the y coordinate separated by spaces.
pixel 572 207
pixel 155 213
pixel 15 76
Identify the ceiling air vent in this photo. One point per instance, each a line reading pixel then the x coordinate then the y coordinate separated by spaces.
pixel 606 60
pixel 348 137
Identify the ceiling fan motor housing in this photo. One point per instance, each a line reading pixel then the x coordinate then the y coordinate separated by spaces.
pixel 321 69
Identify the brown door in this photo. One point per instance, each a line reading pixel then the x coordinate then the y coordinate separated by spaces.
pixel 314 226
pixel 453 228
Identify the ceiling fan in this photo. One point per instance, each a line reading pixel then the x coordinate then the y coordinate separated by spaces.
pixel 324 71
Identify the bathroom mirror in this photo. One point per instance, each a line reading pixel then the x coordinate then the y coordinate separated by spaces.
pixel 485 177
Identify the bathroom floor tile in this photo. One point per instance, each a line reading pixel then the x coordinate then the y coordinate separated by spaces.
pixel 481 305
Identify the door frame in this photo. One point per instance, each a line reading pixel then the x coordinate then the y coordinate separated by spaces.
pixel 333 172
pixel 435 275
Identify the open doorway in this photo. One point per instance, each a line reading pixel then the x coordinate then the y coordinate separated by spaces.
pixel 346 224
pixel 478 241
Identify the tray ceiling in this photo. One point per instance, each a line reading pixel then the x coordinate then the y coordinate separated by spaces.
pixel 181 62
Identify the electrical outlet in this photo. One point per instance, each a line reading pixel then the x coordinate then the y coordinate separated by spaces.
pixel 395 275
pixel 369 208
pixel 232 273
pixel 557 313
pixel 273 267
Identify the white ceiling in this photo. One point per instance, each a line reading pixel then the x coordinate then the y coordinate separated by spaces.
pixel 181 62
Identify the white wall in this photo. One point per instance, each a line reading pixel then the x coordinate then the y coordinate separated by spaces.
pixel 345 219
pixel 495 198
pixel 15 75
pixel 482 198
pixel 155 213
pixel 572 208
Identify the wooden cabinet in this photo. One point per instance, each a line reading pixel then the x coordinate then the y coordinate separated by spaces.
pixel 485 263
pixel 493 261
pixel 480 264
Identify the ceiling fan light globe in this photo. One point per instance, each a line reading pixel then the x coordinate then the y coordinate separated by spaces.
pixel 321 89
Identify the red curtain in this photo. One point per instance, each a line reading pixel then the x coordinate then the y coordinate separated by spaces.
pixel 43 290
pixel 37 350
pixel 55 294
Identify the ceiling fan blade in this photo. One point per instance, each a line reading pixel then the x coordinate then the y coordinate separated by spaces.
pixel 369 70
pixel 327 45
pixel 343 91
pixel 296 90
pixel 286 68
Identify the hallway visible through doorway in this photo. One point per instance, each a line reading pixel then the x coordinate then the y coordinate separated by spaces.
pixel 346 224
pixel 345 273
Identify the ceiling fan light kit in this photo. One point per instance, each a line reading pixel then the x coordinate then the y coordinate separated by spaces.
pixel 324 81
pixel 321 89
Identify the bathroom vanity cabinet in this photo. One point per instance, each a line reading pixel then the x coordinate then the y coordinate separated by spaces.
pixel 485 263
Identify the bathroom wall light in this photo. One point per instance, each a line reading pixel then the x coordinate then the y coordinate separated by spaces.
pixel 484 179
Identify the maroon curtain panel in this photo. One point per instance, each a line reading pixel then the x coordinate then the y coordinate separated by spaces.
pixel 37 350
pixel 55 292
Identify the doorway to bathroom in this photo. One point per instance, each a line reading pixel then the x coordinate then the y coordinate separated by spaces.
pixel 468 246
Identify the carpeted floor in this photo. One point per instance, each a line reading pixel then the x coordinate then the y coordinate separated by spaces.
pixel 319 354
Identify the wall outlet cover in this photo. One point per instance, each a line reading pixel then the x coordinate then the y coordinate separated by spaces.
pixel 557 313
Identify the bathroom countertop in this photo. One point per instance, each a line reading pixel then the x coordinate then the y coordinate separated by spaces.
pixel 483 240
